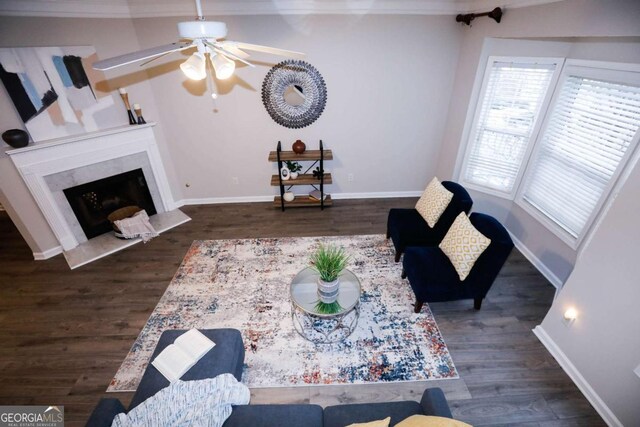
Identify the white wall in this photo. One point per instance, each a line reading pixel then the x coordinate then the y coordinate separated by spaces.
pixel 603 344
pixel 580 29
pixel 17 198
pixel 388 82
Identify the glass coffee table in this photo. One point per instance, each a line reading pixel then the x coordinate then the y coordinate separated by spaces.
pixel 321 328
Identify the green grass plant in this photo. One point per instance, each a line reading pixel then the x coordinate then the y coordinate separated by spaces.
pixel 324 308
pixel 329 261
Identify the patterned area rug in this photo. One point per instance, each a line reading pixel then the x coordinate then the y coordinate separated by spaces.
pixel 244 284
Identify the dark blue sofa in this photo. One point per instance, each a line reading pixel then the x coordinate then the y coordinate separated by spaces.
pixel 228 357
pixel 433 278
pixel 306 415
pixel 407 227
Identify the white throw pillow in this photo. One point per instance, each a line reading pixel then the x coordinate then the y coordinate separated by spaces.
pixel 433 202
pixel 463 244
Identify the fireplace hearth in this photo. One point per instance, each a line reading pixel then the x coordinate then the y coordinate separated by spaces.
pixel 94 201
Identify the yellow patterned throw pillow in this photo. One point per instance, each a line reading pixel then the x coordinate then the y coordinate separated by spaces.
pixel 433 202
pixel 379 423
pixel 463 244
pixel 430 421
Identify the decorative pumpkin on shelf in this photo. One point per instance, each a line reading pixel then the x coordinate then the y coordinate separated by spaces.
pixel 298 147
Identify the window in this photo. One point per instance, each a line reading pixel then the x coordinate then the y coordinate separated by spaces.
pixel 588 134
pixel 563 167
pixel 513 93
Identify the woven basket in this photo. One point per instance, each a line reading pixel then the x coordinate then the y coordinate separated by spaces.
pixel 122 213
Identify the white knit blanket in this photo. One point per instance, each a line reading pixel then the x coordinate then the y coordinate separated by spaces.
pixel 188 403
pixel 137 226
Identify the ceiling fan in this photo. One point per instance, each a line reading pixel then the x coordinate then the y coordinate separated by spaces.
pixel 208 38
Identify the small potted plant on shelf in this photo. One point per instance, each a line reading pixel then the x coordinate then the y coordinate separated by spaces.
pixel 294 168
pixel 329 262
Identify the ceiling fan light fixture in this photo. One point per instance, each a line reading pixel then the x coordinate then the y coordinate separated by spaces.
pixel 208 37
pixel 200 29
pixel 223 66
pixel 194 67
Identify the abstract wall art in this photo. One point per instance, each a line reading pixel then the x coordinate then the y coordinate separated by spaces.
pixel 54 90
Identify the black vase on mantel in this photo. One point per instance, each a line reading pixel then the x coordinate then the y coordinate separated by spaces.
pixel 17 138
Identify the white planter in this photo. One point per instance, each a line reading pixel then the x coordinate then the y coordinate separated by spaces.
pixel 294 175
pixel 328 291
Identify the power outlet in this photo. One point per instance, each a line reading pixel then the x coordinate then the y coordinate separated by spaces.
pixel 235 180
pixel 350 177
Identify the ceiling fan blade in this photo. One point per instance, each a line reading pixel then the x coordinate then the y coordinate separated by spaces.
pixel 266 49
pixel 140 55
pixel 225 52
pixel 231 47
pixel 232 56
pixel 148 61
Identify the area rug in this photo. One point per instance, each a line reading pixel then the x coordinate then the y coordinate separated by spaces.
pixel 244 284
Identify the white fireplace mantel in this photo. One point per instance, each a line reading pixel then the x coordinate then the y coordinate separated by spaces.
pixel 45 158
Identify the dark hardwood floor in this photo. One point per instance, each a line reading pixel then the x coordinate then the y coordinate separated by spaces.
pixel 64 333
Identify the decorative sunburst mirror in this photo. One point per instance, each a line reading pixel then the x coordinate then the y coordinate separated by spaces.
pixel 294 93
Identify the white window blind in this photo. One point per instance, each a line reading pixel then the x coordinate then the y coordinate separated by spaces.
pixel 510 103
pixel 589 130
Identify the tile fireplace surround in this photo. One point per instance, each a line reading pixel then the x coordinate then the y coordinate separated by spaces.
pixel 48 167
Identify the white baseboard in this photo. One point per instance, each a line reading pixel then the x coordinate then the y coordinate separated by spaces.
pixel 335 196
pixel 575 375
pixel 539 265
pixel 376 195
pixel 49 253
pixel 223 200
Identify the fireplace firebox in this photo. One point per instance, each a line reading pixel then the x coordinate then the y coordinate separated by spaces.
pixel 94 201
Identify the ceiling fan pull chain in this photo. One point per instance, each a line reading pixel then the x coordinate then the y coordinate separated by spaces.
pixel 213 87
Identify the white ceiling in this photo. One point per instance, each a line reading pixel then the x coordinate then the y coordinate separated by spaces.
pixel 151 8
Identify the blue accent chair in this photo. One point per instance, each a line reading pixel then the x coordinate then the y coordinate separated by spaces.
pixel 406 227
pixel 433 278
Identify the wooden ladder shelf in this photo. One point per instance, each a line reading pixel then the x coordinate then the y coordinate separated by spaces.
pixel 307 178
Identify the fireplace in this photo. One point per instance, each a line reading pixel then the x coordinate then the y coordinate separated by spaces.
pixel 50 167
pixel 94 201
pixel 77 181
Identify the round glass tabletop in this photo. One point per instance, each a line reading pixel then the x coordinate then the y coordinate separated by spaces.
pixel 304 287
